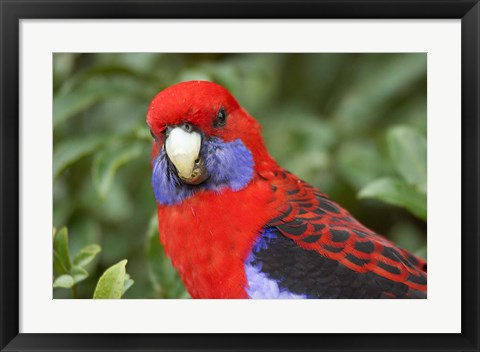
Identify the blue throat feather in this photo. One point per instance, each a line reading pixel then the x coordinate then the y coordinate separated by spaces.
pixel 230 165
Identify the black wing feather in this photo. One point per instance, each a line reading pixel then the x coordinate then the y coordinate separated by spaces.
pixel 306 272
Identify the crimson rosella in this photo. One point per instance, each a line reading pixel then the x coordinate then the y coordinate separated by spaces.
pixel 237 225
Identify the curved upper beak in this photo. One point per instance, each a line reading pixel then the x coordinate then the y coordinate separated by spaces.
pixel 183 149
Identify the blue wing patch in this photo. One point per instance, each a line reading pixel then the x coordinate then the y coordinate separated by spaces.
pixel 260 286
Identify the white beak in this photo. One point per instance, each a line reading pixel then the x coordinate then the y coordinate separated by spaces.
pixel 183 149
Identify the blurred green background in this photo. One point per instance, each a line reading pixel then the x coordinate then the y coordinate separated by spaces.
pixel 353 125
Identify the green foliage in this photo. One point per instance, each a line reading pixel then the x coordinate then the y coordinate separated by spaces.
pixel 108 161
pixel 61 254
pixel 70 273
pixel 86 254
pixel 65 281
pixel 74 149
pixel 397 192
pixel 332 119
pixel 114 282
pixel 408 151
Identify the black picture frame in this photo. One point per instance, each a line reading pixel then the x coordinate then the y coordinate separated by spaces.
pixel 12 11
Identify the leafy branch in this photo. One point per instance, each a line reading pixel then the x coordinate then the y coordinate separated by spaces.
pixel 68 272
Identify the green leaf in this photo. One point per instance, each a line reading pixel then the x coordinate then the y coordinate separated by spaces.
pixel 422 252
pixel 397 192
pixel 164 278
pixel 90 90
pixel 64 281
pixel 359 162
pixel 407 235
pixel 86 254
pixel 408 150
pixel 112 282
pixel 71 150
pixel 78 273
pixel 107 162
pixel 61 254
pixel 374 85
pixel 128 283
pixel 62 66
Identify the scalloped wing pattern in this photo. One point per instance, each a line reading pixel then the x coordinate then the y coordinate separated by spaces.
pixel 316 223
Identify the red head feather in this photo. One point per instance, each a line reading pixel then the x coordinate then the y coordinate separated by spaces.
pixel 197 102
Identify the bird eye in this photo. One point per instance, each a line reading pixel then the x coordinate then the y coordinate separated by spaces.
pixel 221 118
pixel 187 127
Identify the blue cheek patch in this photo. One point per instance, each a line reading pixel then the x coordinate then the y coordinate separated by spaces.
pixel 230 165
pixel 167 187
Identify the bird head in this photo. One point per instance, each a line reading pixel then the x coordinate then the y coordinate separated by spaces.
pixel 203 140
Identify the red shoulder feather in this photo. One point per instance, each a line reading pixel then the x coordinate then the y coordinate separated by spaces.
pixel 314 222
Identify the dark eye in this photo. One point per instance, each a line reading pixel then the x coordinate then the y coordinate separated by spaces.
pixel 153 135
pixel 221 118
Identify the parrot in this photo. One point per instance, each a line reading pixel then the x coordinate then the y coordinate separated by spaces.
pixel 235 224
